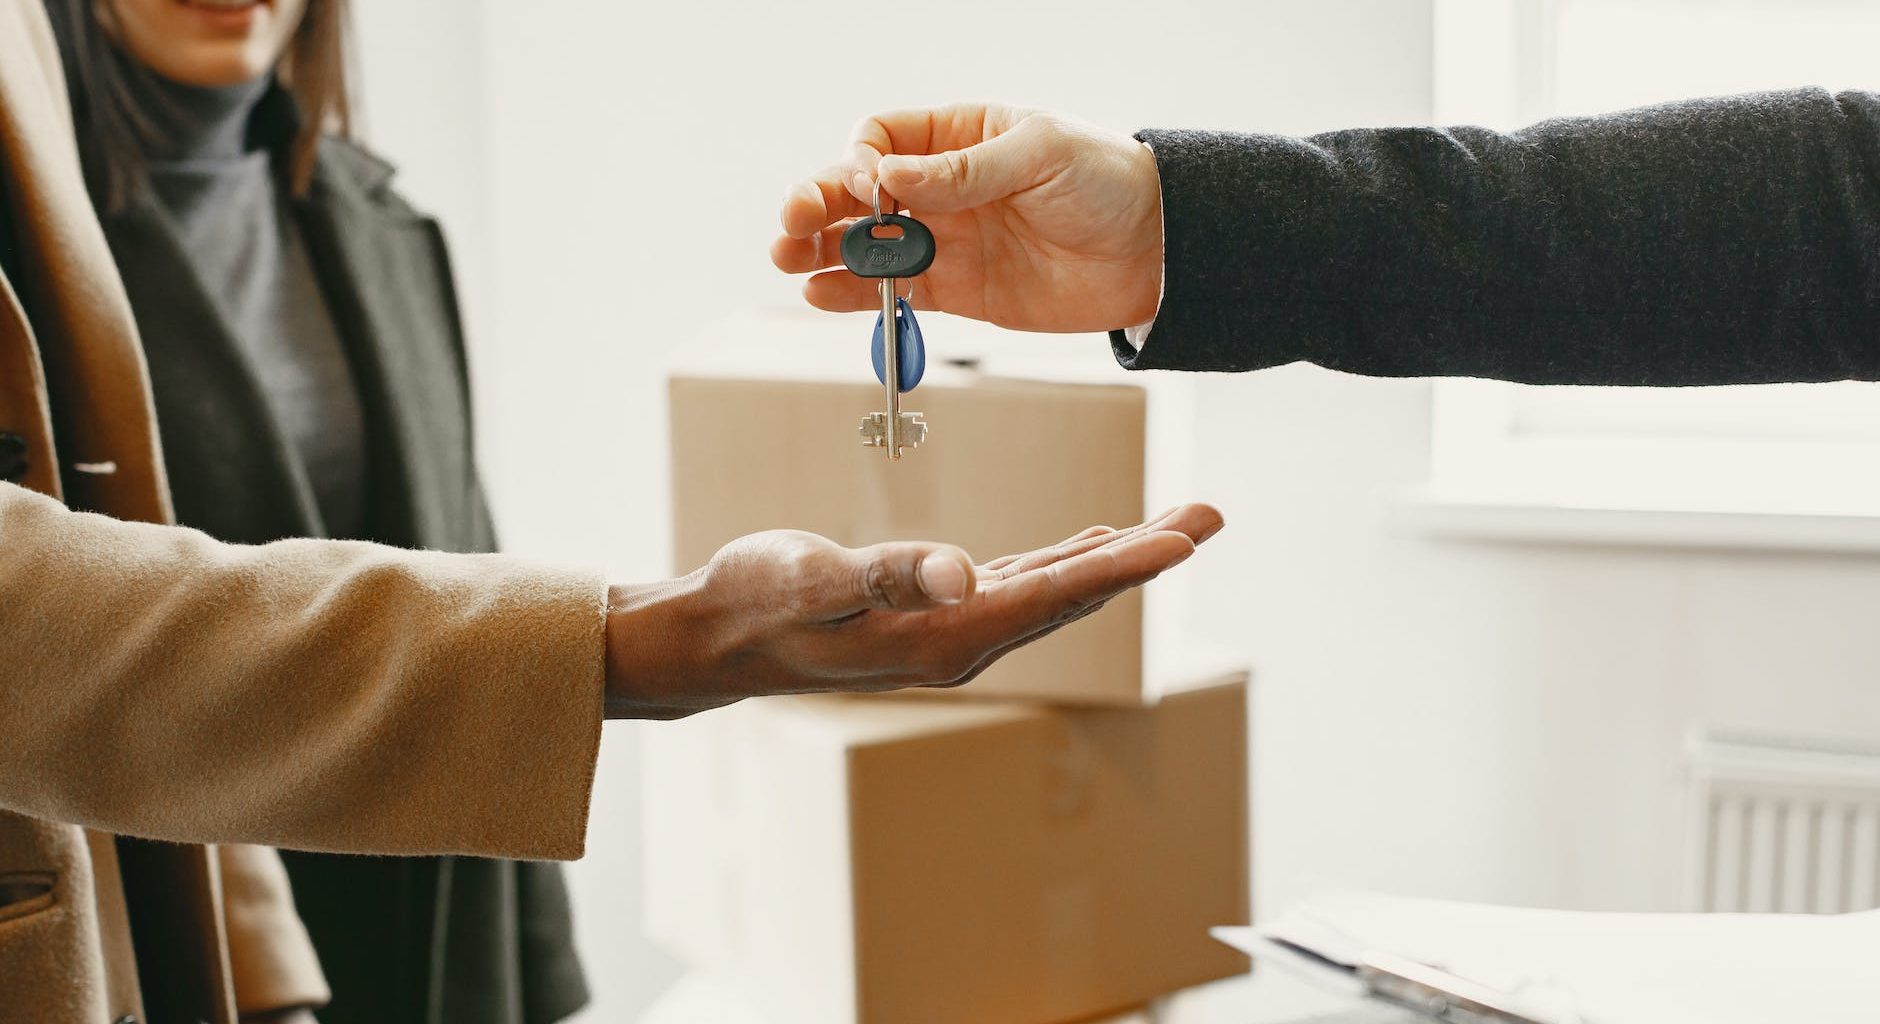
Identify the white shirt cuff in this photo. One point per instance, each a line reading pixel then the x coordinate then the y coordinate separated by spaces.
pixel 1138 335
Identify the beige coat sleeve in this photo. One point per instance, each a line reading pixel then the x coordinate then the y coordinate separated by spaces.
pixel 324 695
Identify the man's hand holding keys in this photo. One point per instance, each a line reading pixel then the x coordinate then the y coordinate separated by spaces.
pixel 1043 223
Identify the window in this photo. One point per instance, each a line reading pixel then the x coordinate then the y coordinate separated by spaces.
pixel 1772 465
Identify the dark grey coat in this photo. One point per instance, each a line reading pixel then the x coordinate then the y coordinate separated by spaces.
pixel 1714 241
pixel 444 939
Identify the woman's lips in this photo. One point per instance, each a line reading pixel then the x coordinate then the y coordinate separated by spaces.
pixel 226 15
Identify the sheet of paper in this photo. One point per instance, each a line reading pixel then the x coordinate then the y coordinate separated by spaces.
pixel 1613 968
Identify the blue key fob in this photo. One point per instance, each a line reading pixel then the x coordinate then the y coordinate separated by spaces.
pixel 911 353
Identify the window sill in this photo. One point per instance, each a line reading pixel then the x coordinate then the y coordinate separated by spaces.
pixel 1511 518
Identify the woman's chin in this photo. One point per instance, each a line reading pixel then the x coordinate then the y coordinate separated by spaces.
pixel 214 65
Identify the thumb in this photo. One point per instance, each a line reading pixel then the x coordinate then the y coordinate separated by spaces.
pixel 961 179
pixel 906 576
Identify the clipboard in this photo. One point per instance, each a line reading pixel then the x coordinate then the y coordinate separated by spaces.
pixel 1395 980
pixel 1470 963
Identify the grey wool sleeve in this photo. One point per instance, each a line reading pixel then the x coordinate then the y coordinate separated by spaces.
pixel 1715 241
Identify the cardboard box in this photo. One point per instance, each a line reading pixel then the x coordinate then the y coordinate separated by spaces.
pixel 860 861
pixel 1023 452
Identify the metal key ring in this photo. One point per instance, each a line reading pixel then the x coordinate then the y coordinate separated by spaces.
pixel 911 282
pixel 895 208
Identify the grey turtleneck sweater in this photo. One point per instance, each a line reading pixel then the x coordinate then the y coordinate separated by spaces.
pixel 232 217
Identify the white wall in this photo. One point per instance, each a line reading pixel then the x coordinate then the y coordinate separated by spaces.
pixel 1488 721
pixel 1496 722
pixel 419 86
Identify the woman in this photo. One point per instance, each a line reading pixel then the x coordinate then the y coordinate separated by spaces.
pixel 307 364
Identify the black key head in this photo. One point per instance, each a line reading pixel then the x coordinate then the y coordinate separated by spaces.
pixel 877 249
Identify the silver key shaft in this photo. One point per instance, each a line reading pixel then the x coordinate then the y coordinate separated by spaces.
pixel 891 362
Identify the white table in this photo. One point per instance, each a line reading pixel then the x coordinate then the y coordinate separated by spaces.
pixel 1271 997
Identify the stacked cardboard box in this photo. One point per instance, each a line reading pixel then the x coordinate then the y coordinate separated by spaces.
pixel 1049 843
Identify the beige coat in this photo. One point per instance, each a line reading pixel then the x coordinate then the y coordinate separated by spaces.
pixel 316 694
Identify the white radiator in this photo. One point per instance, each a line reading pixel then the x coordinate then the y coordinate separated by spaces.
pixel 1781 826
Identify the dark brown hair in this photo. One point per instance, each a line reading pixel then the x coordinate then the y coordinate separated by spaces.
pixel 109 88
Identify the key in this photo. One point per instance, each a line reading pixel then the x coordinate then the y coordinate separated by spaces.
pixel 893 429
pixel 897 350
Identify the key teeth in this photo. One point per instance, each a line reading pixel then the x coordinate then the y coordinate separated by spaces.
pixel 912 430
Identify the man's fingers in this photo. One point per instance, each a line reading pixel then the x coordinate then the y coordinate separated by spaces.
pixel 960 642
pixel 839 291
pixel 1084 534
pixel 823 200
pixel 971 616
pixel 987 661
pixel 847 189
pixel 1197 521
pixel 1012 565
pixel 954 641
pixel 819 251
pixel 923 130
pixel 1031 561
pixel 960 179
pixel 1012 609
pixel 1099 574
pixel 917 130
pixel 903 577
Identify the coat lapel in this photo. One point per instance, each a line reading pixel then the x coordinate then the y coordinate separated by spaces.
pixel 235 473
pixel 94 369
pixel 387 281
pixel 24 405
